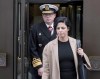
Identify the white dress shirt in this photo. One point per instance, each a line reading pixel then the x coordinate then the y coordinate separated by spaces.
pixel 52 25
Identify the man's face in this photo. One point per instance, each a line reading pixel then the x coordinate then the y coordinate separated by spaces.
pixel 48 17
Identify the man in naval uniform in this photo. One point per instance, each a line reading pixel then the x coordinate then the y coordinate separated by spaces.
pixel 40 35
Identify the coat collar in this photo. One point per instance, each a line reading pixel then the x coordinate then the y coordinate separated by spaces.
pixel 45 31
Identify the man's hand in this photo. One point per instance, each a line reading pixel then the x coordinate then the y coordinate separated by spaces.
pixel 40 71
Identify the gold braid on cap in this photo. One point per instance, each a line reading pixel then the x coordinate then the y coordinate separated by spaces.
pixel 46 7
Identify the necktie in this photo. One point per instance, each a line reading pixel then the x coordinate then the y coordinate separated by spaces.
pixel 50 28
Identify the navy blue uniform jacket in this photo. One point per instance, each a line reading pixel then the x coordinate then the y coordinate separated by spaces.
pixel 39 37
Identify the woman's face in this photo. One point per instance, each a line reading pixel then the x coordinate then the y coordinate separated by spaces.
pixel 62 30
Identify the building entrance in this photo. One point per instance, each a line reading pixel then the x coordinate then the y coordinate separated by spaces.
pixel 28 13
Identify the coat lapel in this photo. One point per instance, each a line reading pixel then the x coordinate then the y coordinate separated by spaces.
pixel 73 46
pixel 44 29
pixel 55 47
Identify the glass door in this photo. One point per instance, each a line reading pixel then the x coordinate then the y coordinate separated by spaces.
pixel 20 40
pixel 74 11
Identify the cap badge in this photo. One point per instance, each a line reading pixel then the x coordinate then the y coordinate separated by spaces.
pixel 46 7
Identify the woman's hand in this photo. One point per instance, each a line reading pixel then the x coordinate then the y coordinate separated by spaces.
pixel 80 52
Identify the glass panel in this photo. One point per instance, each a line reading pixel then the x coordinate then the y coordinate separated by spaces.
pixel 78 22
pixel 19 43
pixel 74 13
pixel 22 42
